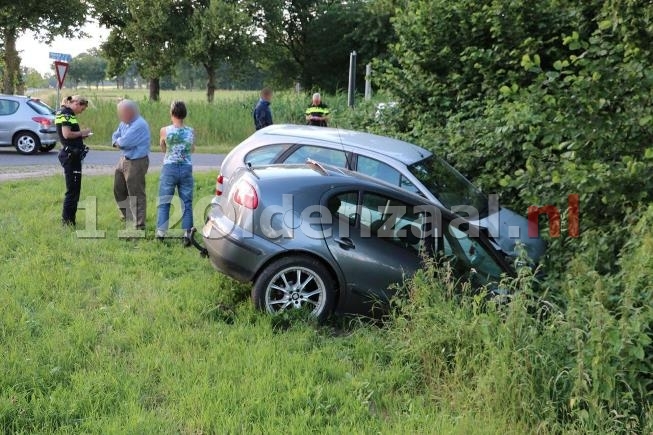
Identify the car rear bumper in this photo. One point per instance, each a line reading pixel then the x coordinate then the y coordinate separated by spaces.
pixel 233 250
pixel 48 136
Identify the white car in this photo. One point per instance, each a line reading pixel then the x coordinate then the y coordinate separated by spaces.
pixel 388 160
pixel 26 124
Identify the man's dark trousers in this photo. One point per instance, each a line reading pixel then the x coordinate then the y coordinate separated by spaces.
pixel 73 172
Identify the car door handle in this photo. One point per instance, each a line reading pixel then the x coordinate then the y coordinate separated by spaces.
pixel 345 243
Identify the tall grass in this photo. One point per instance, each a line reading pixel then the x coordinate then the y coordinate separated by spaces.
pixel 580 368
pixel 218 127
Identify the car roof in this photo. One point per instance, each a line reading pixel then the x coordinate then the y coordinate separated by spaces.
pixel 315 173
pixel 404 152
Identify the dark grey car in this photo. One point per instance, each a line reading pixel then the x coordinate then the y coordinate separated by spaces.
pixel 325 239
pixel 398 163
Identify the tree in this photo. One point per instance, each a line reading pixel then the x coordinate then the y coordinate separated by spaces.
pixel 221 32
pixel 88 67
pixel 188 75
pixel 309 41
pixel 33 79
pixel 150 33
pixel 47 19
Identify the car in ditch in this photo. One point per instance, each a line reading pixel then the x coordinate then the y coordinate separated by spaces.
pixel 324 239
pixel 27 124
pixel 398 163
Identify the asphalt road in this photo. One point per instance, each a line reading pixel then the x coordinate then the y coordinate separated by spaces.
pixel 10 158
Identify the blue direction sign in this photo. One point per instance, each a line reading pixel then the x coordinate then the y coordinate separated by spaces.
pixel 62 57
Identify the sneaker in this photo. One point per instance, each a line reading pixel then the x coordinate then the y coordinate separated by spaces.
pixel 186 240
pixel 160 235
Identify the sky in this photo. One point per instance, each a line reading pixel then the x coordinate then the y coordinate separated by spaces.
pixel 34 54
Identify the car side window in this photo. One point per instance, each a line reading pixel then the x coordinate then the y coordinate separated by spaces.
pixel 392 221
pixel 266 155
pixel 320 154
pixel 457 243
pixel 383 171
pixel 8 107
pixel 344 205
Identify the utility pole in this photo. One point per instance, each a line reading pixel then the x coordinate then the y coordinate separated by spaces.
pixel 368 82
pixel 352 79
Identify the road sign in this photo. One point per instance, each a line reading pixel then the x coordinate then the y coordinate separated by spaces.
pixel 60 68
pixel 61 57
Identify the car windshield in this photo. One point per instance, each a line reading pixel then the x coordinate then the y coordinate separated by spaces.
pixel 40 107
pixel 449 185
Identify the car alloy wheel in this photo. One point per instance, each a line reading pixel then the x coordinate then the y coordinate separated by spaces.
pixel 298 283
pixel 27 143
pixel 295 287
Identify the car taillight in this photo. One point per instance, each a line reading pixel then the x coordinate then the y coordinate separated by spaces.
pixel 245 195
pixel 218 185
pixel 45 122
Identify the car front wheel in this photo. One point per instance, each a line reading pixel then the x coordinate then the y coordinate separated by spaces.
pixel 27 142
pixel 295 282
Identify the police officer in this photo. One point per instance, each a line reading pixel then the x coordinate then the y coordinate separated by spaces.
pixel 72 153
pixel 318 112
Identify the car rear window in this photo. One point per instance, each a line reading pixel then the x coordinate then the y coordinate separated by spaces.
pixel 265 155
pixel 8 107
pixel 323 155
pixel 385 172
pixel 40 107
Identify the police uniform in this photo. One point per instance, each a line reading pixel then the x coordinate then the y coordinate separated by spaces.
pixel 319 110
pixel 70 157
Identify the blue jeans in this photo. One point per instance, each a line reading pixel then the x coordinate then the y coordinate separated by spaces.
pixel 180 176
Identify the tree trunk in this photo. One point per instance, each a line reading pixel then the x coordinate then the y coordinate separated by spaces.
pixel 11 76
pixel 210 84
pixel 155 89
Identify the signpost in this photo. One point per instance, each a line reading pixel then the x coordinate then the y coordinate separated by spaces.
pixel 61 61
pixel 61 57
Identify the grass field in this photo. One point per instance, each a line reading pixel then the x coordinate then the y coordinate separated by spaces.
pixel 218 126
pixel 114 336
pixel 108 335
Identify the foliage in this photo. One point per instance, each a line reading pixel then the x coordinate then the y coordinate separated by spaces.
pixel 583 369
pixel 46 19
pixel 147 32
pixel 535 103
pixel 90 68
pixel 33 79
pixel 221 32
pixel 309 41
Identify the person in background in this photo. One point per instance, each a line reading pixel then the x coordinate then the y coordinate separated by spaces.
pixel 72 153
pixel 317 113
pixel 178 143
pixel 133 139
pixel 262 112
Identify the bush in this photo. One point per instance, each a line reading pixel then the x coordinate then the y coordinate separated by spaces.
pixel 582 369
pixel 536 102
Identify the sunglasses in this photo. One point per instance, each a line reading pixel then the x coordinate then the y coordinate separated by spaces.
pixel 81 102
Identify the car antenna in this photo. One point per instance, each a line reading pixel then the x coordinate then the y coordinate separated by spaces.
pixel 249 167
pixel 342 145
